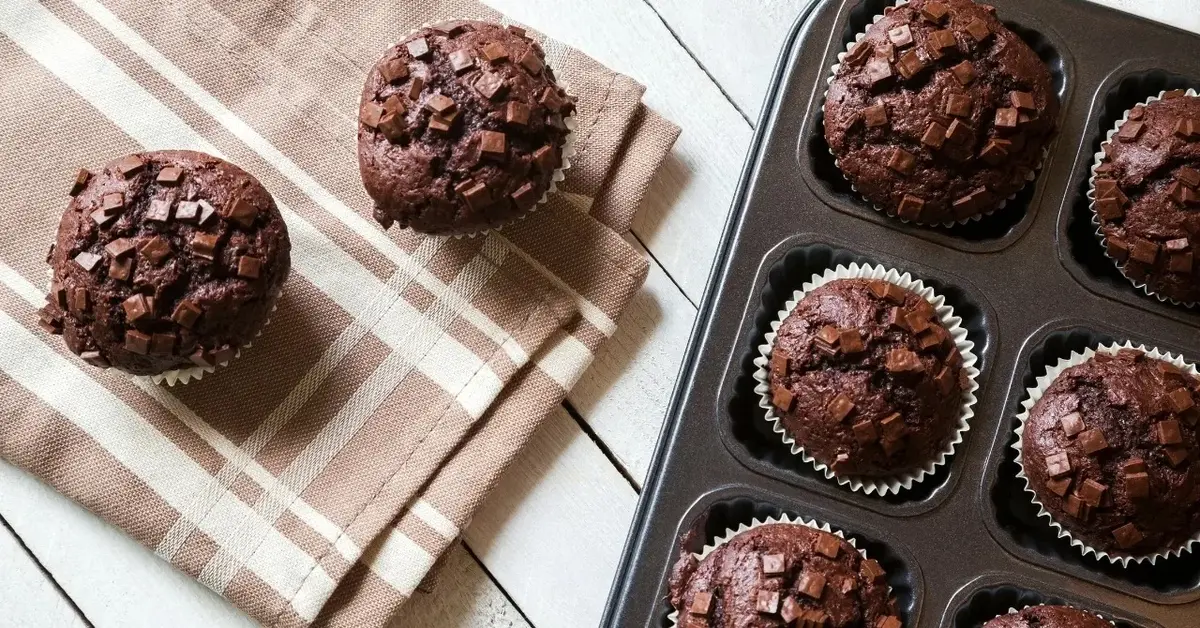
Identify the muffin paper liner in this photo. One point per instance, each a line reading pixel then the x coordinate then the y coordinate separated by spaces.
pixel 1091 195
pixel 1014 611
pixel 825 97
pixel 722 539
pixel 567 150
pixel 1034 394
pixel 952 323
pixel 185 375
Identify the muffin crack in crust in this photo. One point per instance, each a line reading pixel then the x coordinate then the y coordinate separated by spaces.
pixel 165 260
pixel 1147 196
pixel 782 574
pixel 1111 450
pixel 461 128
pixel 866 378
pixel 940 112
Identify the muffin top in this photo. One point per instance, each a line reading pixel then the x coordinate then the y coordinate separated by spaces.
pixel 1148 193
pixel 1049 617
pixel 461 127
pixel 1111 452
pixel 940 113
pixel 866 379
pixel 165 260
pixel 782 574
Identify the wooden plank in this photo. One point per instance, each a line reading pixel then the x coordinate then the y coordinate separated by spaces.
pixel 552 531
pixel 1177 13
pixel 624 395
pixel 682 219
pixel 464 597
pixel 28 598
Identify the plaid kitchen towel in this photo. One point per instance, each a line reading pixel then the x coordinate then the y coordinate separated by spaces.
pixel 317 478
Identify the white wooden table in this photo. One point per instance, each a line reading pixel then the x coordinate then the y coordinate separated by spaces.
pixel 707 64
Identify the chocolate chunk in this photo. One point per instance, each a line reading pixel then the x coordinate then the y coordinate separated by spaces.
pixel 159 210
pixel 858 54
pixel 1023 101
pixel 478 196
pixel 155 250
pixel 935 136
pixel 552 100
pixel 394 70
pixel 850 341
pixel 1176 455
pixel 1091 492
pixel 121 269
pixel 517 113
pixel 492 144
pixel 1093 441
pixel 1058 464
pixel 202 358
pixel 130 165
pixel 112 203
pixel 1077 508
pixel 1180 400
pixel 1109 209
pixel 450 29
pixel 1059 487
pixel 1168 432
pixel 531 62
pixel 959 105
pixel 162 344
pixel 901 36
pixel 525 196
pixel 865 432
pixel 207 212
pixel 58 295
pixel 495 52
pixel 187 211
pixel 701 604
pixel 441 124
pixel 958 132
pixel 80 182
pixel 394 106
pixel 840 408
pixel 1183 195
pixel 978 29
pixel 935 12
pixel 811 584
pixel 878 71
pixel 1144 251
pixel 249 267
pixel 102 219
pixel 942 40
pixel 891 621
pixel 829 335
pixel 995 151
pixel 1072 423
pixel 790 611
pixel 1106 188
pixel 418 48
pixel 917 322
pixel 1137 485
pixel 1127 536
pixel 87 260
pixel 964 72
pixel 137 342
pixel 910 207
pixel 440 104
pixel 892 427
pixel 1006 118
pixel 1134 465
pixel 902 361
pixel 225 354
pixel 414 88
pixel 461 61
pixel 489 84
pixel 828 545
pixel 871 570
pixel 137 308
pixel 774 564
pixel 767 602
pixel 1189 177
pixel 204 245
pixel 1130 131
pixel 875 115
pixel 910 64
pixel 779 362
pixel 186 314
pixel 903 162
pixel 170 176
pixel 1137 113
pixel 95 359
pixel 545 158
pixel 78 301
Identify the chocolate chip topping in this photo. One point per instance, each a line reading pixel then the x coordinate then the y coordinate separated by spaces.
pixel 889 401
pixel 1049 617
pixel 160 279
pixel 816 579
pixel 947 84
pixel 1128 481
pixel 1148 197
pixel 479 140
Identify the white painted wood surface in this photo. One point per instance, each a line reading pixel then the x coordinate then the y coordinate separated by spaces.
pixel 562 496
pixel 28 598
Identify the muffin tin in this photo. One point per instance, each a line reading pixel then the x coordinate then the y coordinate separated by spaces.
pixel 1031 284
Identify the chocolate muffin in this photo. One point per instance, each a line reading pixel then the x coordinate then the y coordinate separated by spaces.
pixel 1147 191
pixel 782 574
pixel 866 379
pixel 461 128
pixel 1111 449
pixel 940 113
pixel 165 260
pixel 1049 617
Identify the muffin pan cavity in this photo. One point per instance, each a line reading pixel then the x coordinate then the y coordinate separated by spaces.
pixel 988 598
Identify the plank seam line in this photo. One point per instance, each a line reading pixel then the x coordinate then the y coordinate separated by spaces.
pixel 46 572
pixel 602 446
pixel 699 64
pixel 666 272
pixel 488 572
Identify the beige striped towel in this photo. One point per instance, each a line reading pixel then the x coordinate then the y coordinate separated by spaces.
pixel 316 479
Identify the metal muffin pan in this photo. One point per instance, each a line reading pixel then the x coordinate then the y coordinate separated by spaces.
pixel 1031 283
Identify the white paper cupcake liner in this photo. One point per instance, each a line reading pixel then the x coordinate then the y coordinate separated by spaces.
pixel 1091 195
pixel 567 152
pixel 1029 178
pixel 953 324
pixel 722 539
pixel 1034 394
pixel 1014 611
